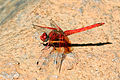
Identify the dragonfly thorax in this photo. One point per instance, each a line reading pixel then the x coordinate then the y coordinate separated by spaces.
pixel 44 37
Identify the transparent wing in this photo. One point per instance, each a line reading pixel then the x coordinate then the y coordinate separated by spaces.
pixel 54 25
pixel 43 28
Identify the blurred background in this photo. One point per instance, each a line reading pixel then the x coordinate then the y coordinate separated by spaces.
pixel 8 8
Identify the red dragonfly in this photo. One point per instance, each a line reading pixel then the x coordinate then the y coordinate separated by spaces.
pixel 58 38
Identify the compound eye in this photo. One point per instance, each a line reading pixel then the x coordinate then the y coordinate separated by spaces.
pixel 43 37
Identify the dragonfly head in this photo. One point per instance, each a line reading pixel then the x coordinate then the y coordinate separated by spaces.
pixel 44 37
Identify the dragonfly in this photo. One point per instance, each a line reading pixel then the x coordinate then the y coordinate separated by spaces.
pixel 57 38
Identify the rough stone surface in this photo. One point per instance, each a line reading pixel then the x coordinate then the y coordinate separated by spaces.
pixel 20 47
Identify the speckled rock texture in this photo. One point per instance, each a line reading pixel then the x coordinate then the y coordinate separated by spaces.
pixel 20 47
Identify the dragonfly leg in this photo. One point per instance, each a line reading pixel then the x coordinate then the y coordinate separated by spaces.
pixel 46 47
pixel 53 46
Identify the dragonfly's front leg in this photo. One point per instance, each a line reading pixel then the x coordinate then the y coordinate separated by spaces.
pixel 46 47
